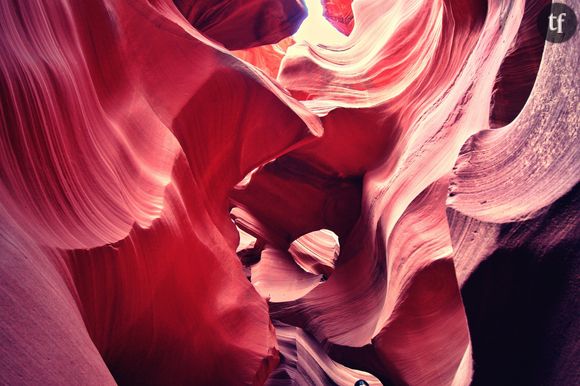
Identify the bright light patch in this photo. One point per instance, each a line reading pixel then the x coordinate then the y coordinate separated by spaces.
pixel 316 29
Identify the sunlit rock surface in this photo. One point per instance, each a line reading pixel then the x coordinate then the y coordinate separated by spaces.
pixel 245 193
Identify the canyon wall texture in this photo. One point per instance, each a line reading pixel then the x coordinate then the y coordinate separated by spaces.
pixel 192 192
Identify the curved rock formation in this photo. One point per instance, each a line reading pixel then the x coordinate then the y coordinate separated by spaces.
pixel 205 192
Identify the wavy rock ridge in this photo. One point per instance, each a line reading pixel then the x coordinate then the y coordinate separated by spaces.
pixel 191 195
